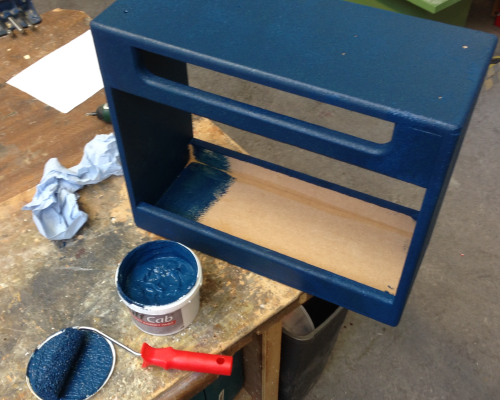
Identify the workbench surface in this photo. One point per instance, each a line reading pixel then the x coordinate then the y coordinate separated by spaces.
pixel 46 286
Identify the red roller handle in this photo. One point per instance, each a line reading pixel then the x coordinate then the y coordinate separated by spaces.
pixel 168 358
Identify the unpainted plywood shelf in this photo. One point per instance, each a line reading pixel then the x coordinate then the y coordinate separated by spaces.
pixel 341 234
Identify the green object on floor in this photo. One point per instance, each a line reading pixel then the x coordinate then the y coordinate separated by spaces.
pixel 449 11
pixel 225 387
pixel 434 6
pixel 199 396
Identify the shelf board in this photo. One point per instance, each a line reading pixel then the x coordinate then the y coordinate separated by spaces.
pixel 350 237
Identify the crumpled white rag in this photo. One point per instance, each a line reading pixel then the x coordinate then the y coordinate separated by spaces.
pixel 55 208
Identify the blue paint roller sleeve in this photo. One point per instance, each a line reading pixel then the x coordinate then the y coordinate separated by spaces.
pixel 70 365
pixel 50 365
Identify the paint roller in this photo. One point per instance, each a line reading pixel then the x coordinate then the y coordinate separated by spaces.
pixel 67 359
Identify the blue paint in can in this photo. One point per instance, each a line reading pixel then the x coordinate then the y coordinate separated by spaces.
pixel 157 273
pixel 72 365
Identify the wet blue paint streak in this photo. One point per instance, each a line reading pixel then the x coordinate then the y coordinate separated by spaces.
pixel 195 190
pixel 91 370
pixel 71 366
pixel 50 365
pixel 157 273
pixel 209 157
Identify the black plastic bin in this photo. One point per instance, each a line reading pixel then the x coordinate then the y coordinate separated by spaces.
pixel 303 358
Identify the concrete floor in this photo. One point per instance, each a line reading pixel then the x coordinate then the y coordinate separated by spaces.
pixel 447 345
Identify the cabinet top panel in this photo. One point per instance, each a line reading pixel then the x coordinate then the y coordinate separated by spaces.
pixel 392 66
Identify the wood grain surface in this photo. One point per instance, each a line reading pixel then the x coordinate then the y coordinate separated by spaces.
pixel 47 286
pixel 30 131
pixel 350 237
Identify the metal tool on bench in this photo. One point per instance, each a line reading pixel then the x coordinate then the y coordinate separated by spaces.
pixel 17 15
pixel 102 113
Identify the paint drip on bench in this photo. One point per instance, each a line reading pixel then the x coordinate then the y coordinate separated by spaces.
pixel 160 283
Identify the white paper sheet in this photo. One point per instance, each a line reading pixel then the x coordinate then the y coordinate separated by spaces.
pixel 66 77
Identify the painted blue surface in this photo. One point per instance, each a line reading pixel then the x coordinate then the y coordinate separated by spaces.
pixel 308 278
pixel 423 76
pixel 195 190
pixel 51 364
pixel 200 186
pixel 91 369
pixel 409 156
pixel 71 366
pixel 354 56
pixel 210 157
pixel 157 273
pixel 225 153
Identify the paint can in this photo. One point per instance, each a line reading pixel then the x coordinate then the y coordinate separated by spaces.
pixel 160 283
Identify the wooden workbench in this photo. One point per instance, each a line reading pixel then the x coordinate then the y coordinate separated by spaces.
pixel 47 285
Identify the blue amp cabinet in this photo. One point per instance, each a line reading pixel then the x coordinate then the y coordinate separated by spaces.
pixel 355 250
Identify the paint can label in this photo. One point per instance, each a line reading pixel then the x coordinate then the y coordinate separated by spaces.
pixel 159 324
